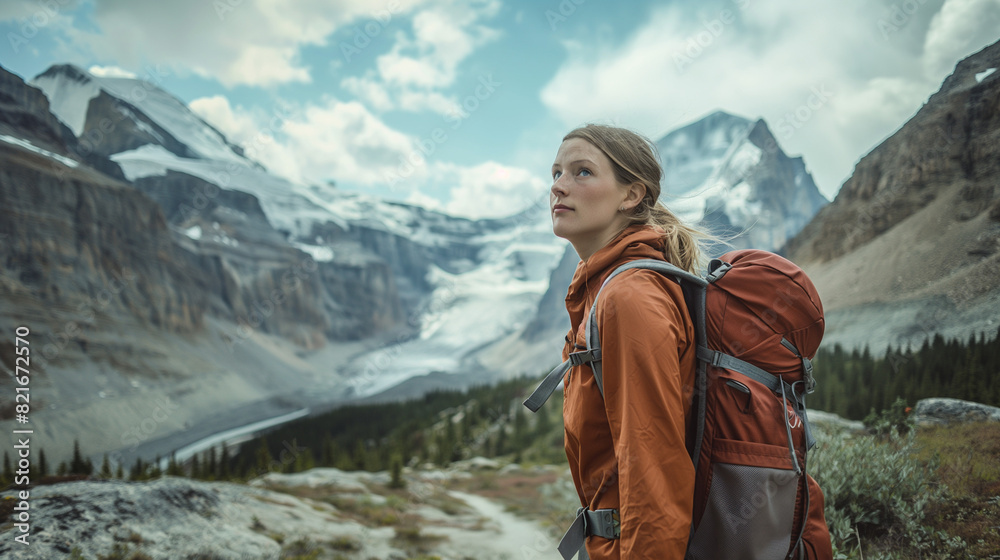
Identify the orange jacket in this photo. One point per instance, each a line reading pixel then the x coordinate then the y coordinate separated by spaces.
pixel 627 451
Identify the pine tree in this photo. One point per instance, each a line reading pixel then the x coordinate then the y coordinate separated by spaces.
pixel 120 472
pixel 224 463
pixel 77 465
pixel 264 458
pixel 43 465
pixel 196 467
pixel 304 461
pixel 174 469
pixel 396 469
pixel 213 465
pixel 105 468
pixel 8 472
pixel 137 472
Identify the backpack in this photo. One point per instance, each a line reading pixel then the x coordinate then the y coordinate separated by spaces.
pixel 758 321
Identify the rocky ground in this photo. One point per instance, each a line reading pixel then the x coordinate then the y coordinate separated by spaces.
pixel 321 513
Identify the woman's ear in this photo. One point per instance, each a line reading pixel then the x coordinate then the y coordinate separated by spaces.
pixel 636 192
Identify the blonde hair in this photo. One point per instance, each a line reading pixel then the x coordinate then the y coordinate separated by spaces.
pixel 635 160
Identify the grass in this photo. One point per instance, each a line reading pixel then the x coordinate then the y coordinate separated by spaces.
pixel 933 493
pixel 968 457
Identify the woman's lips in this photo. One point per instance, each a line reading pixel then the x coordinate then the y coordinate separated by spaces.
pixel 560 208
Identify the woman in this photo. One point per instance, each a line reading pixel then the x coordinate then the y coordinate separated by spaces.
pixel 626 451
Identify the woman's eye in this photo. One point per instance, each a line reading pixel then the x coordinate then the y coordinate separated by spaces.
pixel 585 172
pixel 556 175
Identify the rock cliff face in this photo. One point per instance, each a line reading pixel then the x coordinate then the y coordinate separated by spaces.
pixel 247 262
pixel 163 294
pixel 25 110
pixel 24 113
pixel 951 141
pixel 69 235
pixel 178 275
pixel 912 241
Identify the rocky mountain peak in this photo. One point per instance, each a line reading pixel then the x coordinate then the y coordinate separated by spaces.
pixel 950 141
pixel 729 175
pixel 912 241
pixel 67 71
pixel 112 115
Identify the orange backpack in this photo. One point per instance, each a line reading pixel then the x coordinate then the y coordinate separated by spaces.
pixel 758 322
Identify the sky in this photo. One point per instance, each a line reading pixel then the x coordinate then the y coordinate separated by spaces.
pixel 460 106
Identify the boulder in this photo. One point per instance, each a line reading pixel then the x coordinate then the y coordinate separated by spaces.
pixel 938 411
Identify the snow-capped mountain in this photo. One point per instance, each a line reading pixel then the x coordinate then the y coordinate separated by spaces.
pixel 463 283
pixel 295 294
pixel 104 112
pixel 729 175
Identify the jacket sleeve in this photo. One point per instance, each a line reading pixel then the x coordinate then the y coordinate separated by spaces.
pixel 645 331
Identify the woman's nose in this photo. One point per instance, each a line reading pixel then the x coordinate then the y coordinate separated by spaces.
pixel 558 188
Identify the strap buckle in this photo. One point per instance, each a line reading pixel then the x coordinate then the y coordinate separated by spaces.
pixel 585 357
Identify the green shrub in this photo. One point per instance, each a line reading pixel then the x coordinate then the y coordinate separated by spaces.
pixel 895 417
pixel 876 494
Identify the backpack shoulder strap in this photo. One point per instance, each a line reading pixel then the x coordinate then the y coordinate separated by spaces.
pixel 694 295
pixel 690 284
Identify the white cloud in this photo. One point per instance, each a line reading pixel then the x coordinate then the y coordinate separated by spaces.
pixel 443 36
pixel 489 189
pixel 338 140
pixel 34 14
pixel 237 125
pixel 768 60
pixel 418 198
pixel 412 74
pixel 343 141
pixel 417 101
pixel 111 72
pixel 959 29
pixel 370 91
pixel 254 42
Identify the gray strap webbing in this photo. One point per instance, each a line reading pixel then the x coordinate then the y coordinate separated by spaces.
pixel 593 340
pixel 600 523
pixel 807 367
pixel 718 359
pixel 547 387
pixel 772 382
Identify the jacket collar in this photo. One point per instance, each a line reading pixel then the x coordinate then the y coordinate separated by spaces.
pixel 635 242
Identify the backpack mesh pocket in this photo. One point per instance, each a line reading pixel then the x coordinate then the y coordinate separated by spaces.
pixel 750 510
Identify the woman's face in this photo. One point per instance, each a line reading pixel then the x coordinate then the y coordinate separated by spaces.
pixel 585 197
